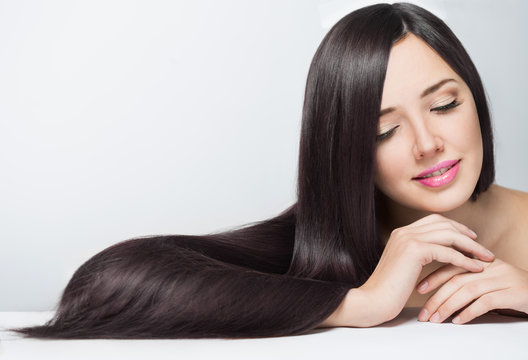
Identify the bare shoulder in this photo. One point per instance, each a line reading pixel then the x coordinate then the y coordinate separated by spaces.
pixel 512 207
pixel 516 201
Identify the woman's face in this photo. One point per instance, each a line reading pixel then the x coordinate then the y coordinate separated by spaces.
pixel 429 153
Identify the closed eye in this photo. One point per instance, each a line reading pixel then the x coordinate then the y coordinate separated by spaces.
pixel 445 108
pixel 387 134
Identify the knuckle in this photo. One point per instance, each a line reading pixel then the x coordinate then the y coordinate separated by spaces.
pixel 399 232
pixel 471 288
pixel 486 301
pixel 395 232
pixel 444 311
pixel 432 304
pixel 451 226
pixel 457 279
pixel 457 258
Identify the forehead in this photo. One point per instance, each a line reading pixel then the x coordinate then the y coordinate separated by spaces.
pixel 413 66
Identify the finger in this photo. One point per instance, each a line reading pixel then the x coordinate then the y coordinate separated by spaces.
pixel 463 296
pixel 439 226
pixel 438 277
pixel 459 242
pixel 493 300
pixel 439 219
pixel 434 302
pixel 451 256
pixel 463 229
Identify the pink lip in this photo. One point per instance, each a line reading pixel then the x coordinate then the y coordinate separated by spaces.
pixel 437 167
pixel 439 180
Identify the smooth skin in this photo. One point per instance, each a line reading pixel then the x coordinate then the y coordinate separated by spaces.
pixel 471 252
pixel 502 285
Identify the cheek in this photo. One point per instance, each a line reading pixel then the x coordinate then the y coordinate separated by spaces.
pixel 466 135
pixel 474 146
pixel 390 166
pixel 474 133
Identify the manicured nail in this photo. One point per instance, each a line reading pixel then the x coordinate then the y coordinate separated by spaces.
pixel 435 317
pixel 423 286
pixel 456 320
pixel 422 316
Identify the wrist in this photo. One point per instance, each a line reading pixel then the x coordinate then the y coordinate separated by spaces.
pixel 354 311
pixel 359 309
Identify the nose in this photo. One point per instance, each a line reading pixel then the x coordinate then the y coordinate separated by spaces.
pixel 426 143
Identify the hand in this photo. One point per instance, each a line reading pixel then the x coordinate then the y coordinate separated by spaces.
pixel 499 286
pixel 408 250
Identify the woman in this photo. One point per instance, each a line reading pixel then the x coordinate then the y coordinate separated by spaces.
pixel 395 184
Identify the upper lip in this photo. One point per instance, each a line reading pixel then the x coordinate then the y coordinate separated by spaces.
pixel 440 165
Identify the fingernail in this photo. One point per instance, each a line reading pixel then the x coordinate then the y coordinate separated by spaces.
pixel 490 253
pixel 423 286
pixel 422 316
pixel 456 320
pixel 473 233
pixel 435 317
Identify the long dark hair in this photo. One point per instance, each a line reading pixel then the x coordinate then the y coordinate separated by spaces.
pixel 287 274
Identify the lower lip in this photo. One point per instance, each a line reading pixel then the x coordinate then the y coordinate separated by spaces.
pixel 441 180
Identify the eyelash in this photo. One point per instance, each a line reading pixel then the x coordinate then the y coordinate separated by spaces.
pixel 387 134
pixel 440 109
pixel 446 108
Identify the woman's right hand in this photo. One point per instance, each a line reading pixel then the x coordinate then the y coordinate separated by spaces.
pixel 408 250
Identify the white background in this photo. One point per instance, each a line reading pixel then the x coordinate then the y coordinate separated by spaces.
pixel 489 337
pixel 130 118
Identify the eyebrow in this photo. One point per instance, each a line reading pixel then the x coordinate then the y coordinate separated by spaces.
pixel 428 91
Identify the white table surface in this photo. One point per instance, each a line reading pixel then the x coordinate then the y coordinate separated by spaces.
pixel 489 337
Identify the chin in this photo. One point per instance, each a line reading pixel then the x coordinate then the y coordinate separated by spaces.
pixel 443 202
pixel 442 208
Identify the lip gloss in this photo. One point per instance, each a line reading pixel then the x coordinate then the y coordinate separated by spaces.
pixel 443 179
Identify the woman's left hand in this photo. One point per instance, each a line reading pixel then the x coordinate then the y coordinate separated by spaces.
pixel 499 286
